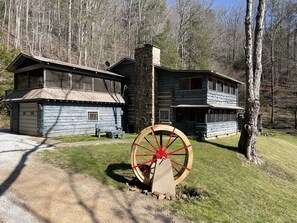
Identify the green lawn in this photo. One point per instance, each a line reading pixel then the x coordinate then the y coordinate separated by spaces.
pixel 236 190
pixel 84 138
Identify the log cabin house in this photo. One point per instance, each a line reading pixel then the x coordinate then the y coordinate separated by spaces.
pixel 52 98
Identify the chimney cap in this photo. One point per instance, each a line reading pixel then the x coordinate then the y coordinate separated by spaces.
pixel 150 45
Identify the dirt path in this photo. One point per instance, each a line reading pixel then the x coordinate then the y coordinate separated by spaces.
pixel 32 191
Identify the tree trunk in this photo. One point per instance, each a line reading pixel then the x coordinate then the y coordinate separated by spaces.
pixel 8 25
pixel 247 142
pixel 18 8
pixel 69 30
pixel 27 24
pixel 272 60
pixel 295 118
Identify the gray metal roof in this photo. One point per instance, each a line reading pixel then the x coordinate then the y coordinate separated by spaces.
pixel 39 59
pixel 64 95
pixel 212 72
pixel 222 106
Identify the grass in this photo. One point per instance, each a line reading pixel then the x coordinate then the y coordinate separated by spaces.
pixel 85 138
pixel 236 190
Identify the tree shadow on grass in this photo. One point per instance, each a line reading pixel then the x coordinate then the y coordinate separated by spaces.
pixel 113 169
pixel 231 148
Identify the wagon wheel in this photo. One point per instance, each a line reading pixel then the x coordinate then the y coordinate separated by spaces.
pixel 161 142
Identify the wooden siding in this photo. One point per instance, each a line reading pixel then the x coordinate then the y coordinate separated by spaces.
pixel 127 70
pixel 215 97
pixel 165 83
pixel 221 128
pixel 71 119
pixel 28 113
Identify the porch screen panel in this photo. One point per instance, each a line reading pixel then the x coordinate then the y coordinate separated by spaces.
pixel 80 82
pixel 200 116
pixel 211 116
pixel 57 79
pixel 36 78
pixel 21 81
pixel 118 87
pixel 112 86
pixel 101 85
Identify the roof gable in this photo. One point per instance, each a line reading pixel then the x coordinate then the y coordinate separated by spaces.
pixel 23 60
pixel 126 60
pixel 123 61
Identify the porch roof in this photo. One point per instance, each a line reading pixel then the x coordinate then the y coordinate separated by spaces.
pixel 221 106
pixel 64 95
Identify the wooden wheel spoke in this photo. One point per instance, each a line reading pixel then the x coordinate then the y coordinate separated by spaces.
pixel 149 154
pixel 161 139
pixel 154 134
pixel 175 168
pixel 169 139
pixel 141 164
pixel 147 168
pixel 135 144
pixel 184 167
pixel 178 154
pixel 150 144
pixel 185 147
pixel 171 142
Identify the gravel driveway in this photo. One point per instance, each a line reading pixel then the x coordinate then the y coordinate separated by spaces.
pixel 33 191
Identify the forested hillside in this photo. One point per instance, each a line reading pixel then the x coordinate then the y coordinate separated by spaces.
pixel 192 34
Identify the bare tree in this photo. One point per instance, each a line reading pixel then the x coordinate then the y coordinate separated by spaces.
pixel 253 53
pixel 69 30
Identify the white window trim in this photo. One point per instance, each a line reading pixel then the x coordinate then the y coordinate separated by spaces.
pixel 88 115
pixel 164 120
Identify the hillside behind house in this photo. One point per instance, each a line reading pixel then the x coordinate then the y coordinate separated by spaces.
pixel 191 35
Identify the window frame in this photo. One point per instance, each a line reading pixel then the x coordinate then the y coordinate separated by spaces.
pixel 190 83
pixel 89 114
pixel 164 110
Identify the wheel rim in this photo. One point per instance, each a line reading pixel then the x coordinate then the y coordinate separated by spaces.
pixel 161 142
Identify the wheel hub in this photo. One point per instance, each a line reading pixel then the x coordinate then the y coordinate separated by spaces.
pixel 161 154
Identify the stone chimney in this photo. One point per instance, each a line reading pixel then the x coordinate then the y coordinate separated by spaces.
pixel 144 93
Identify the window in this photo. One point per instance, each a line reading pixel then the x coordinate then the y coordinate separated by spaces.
pixel 214 85
pixel 164 115
pixel 190 83
pixel 226 87
pixel 184 84
pixel 220 86
pixel 93 115
pixel 196 83
pixel 233 89
pixel 210 84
